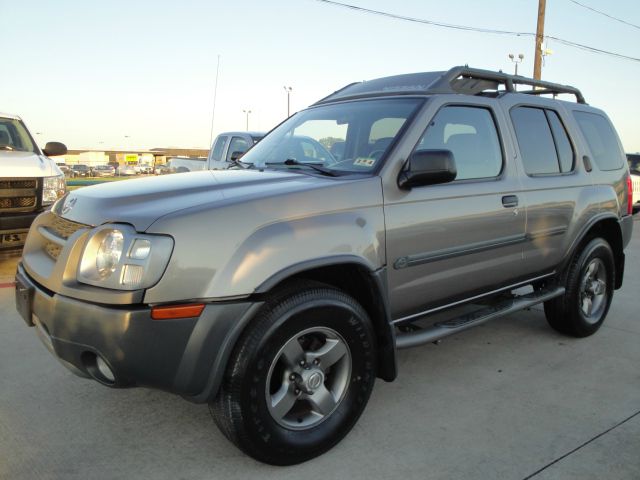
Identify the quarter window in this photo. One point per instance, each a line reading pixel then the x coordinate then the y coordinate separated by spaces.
pixel 470 134
pixel 544 144
pixel 601 139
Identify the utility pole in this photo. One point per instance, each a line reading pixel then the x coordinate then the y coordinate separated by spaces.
pixel 537 59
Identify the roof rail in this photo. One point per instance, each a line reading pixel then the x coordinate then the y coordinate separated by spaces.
pixel 472 81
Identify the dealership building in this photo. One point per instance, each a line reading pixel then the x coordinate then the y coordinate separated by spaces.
pixel 153 157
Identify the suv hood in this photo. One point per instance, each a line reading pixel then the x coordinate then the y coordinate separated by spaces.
pixel 141 202
pixel 25 164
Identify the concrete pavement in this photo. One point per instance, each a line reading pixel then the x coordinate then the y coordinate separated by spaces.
pixel 508 400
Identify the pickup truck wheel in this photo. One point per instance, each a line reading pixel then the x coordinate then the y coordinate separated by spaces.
pixel 299 377
pixel 589 290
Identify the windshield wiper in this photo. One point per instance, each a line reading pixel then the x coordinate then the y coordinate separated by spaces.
pixel 292 161
pixel 240 164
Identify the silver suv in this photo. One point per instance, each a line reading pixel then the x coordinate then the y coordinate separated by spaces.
pixel 277 291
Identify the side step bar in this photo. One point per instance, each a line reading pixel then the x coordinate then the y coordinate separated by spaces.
pixel 444 329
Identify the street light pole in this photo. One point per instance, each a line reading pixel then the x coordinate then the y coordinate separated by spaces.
pixel 516 61
pixel 247 112
pixel 288 90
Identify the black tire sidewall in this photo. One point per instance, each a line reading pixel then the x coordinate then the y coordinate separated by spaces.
pixel 266 439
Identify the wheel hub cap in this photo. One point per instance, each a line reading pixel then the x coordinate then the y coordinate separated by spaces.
pixel 312 380
pixel 308 378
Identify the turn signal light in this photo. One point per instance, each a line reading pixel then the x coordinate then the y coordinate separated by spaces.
pixel 173 312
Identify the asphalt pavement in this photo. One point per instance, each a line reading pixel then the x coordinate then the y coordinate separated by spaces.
pixel 511 399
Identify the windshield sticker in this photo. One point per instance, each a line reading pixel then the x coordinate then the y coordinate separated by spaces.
pixel 365 161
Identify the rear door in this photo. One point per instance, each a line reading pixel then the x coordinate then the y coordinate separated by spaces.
pixel 554 184
pixel 452 241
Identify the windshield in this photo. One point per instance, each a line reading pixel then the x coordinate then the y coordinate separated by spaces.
pixel 347 137
pixel 14 136
pixel 634 164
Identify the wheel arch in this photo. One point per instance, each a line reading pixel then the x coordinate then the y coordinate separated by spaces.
pixel 606 226
pixel 356 278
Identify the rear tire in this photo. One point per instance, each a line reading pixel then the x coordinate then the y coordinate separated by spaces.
pixel 299 376
pixel 582 309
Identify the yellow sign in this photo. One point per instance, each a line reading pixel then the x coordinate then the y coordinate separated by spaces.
pixel 131 159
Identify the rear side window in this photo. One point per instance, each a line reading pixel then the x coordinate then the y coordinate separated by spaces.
pixel 545 148
pixel 602 140
pixel 470 134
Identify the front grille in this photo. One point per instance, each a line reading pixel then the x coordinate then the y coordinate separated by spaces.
pixel 7 183
pixel 18 195
pixel 61 229
pixel 17 202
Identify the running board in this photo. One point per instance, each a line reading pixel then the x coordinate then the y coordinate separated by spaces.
pixel 449 327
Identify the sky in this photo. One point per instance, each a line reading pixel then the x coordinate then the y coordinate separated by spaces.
pixel 142 74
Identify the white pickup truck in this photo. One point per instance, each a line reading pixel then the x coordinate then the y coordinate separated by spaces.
pixel 29 180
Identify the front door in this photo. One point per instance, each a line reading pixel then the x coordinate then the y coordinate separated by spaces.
pixel 452 241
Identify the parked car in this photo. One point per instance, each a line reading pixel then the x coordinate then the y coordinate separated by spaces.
pixel 633 159
pixel 29 180
pixel 80 170
pixel 183 165
pixel 227 144
pixel 64 168
pixel 279 291
pixel 127 170
pixel 104 171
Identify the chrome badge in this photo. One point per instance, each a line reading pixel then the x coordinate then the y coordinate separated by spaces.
pixel 69 204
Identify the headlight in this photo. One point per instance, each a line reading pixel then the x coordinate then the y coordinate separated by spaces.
pixel 53 188
pixel 109 253
pixel 117 257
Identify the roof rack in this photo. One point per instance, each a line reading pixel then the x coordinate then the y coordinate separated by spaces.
pixel 472 81
pixel 463 80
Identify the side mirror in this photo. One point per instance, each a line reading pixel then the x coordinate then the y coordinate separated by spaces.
pixel 235 156
pixel 52 149
pixel 428 167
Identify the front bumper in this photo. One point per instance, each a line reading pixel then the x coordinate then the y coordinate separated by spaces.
pixel 15 226
pixel 186 356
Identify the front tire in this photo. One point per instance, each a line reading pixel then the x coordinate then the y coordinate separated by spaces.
pixel 581 311
pixel 299 377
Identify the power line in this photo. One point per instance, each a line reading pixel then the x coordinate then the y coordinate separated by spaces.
pixel 476 29
pixel 605 14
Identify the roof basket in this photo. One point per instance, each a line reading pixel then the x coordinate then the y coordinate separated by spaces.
pixel 473 81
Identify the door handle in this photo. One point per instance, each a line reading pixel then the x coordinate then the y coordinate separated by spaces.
pixel 509 201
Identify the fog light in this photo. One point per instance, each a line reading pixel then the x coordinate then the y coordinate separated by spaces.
pixel 104 369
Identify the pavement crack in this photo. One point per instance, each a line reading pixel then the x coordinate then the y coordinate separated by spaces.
pixel 581 446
